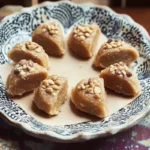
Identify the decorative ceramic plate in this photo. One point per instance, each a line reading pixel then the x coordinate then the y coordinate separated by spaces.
pixel 19 27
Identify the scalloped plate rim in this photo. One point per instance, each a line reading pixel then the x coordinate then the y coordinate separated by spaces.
pixel 82 136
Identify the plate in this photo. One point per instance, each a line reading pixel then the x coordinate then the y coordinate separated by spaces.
pixel 19 27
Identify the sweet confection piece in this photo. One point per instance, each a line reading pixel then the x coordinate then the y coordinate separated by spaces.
pixel 89 96
pixel 121 79
pixel 29 51
pixel 83 40
pixel 114 51
pixel 51 94
pixel 25 77
pixel 50 37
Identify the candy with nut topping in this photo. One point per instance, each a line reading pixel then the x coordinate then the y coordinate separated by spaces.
pixel 89 96
pixel 25 77
pixel 83 39
pixel 115 51
pixel 121 79
pixel 50 37
pixel 29 51
pixel 51 94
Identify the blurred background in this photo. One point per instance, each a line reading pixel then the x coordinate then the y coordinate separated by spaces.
pixel 139 10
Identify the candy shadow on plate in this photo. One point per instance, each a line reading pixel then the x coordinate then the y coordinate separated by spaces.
pixel 56 57
pixel 109 91
pixel 97 69
pixel 83 114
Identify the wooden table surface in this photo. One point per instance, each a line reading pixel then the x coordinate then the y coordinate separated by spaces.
pixel 140 15
pixel 136 138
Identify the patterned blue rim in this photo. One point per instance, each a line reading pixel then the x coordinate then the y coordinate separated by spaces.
pixel 18 27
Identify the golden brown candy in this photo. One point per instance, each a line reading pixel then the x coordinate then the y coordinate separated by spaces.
pixel 50 37
pixel 121 79
pixel 29 51
pixel 51 94
pixel 115 51
pixel 89 96
pixel 83 39
pixel 25 77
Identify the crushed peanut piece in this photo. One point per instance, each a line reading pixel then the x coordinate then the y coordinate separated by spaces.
pixel 43 86
pixel 91 87
pixel 111 44
pixel 129 74
pixel 55 87
pixel 120 69
pixel 49 90
pixel 82 32
pixel 82 87
pixel 16 71
pixel 38 50
pixel 54 77
pixel 79 87
pixel 31 45
pixel 28 68
pixel 22 73
pixel 52 28
pixel 58 82
pixel 22 62
pixel 97 90
pixel 46 83
pixel 30 63
pixel 24 67
pixel 51 82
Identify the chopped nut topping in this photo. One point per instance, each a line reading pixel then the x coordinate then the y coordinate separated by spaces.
pixel 24 67
pixel 22 62
pixel 58 82
pixel 97 90
pixel 109 41
pixel 44 30
pixel 54 77
pixel 79 87
pixel 46 83
pixel 91 87
pixel 49 90
pixel 16 71
pixel 89 80
pixel 22 73
pixel 43 86
pixel 31 45
pixel 38 50
pixel 87 34
pixel 111 44
pixel 31 69
pixel 82 87
pixel 82 32
pixel 30 63
pixel 129 74
pixel 89 90
pixel 92 84
pixel 55 87
pixel 52 28
pixel 51 84
pixel 120 69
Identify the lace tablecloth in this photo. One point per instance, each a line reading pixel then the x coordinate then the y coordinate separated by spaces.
pixel 136 138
